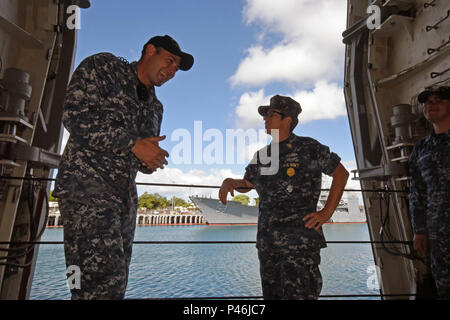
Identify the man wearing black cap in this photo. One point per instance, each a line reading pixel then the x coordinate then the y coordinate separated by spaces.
pixel 429 168
pixel 290 236
pixel 114 120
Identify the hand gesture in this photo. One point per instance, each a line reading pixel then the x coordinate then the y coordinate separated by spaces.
pixel 227 187
pixel 317 219
pixel 151 155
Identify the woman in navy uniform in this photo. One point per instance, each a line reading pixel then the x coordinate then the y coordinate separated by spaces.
pixel 290 236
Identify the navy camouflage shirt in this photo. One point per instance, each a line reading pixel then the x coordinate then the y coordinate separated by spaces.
pixel 291 193
pixel 104 117
pixel 429 168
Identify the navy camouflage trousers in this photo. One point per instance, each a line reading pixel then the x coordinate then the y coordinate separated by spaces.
pixel 98 238
pixel 440 266
pixel 290 273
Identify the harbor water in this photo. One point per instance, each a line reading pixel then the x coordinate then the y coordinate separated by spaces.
pixel 213 270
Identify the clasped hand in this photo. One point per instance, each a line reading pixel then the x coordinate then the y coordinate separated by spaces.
pixel 151 155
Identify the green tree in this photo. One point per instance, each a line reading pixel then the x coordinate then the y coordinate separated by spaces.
pixel 147 201
pixel 153 201
pixel 178 202
pixel 162 202
pixel 257 201
pixel 242 198
pixel 51 198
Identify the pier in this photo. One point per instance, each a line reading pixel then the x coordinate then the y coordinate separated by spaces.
pixel 170 219
pixel 143 218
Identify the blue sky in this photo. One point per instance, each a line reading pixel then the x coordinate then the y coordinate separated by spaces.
pixel 245 52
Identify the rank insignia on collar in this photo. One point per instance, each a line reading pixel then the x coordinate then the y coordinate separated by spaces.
pixel 290 172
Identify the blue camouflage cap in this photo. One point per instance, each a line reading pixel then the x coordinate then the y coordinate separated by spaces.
pixel 442 93
pixel 285 105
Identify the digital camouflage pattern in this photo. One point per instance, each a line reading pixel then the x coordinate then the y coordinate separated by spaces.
pixel 429 168
pixel 98 238
pixel 290 273
pixel 286 197
pixel 96 176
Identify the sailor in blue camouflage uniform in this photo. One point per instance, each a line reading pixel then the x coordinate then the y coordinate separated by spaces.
pixel 114 120
pixel 429 168
pixel 289 236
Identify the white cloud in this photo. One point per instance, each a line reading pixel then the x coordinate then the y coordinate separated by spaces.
pixel 170 175
pixel 247 110
pixel 325 101
pixel 321 19
pixel 296 62
pixel 311 47
pixel 309 53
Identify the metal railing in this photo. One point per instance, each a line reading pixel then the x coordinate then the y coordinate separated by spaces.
pixel 408 243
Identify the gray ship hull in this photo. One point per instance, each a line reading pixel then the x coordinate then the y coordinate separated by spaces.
pixel 234 213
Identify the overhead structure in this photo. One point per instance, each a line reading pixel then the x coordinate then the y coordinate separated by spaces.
pixel 394 50
pixel 37 48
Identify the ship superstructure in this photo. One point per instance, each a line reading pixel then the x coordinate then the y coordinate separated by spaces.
pixel 37 49
pixel 394 50
pixel 234 212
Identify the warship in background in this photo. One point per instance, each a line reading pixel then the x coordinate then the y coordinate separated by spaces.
pixel 235 213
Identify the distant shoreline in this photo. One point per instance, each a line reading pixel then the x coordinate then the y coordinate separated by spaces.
pixel 215 224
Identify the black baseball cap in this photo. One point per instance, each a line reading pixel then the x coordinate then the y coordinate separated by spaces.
pixel 168 43
pixel 442 93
